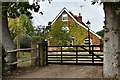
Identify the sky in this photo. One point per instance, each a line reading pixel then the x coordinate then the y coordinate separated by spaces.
pixel 93 13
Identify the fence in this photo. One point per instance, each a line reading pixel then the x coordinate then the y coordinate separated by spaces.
pixel 22 50
pixel 81 54
pixel 38 51
pixel 75 54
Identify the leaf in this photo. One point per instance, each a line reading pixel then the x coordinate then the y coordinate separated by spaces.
pixel 41 13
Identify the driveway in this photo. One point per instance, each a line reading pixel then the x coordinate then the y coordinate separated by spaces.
pixel 62 71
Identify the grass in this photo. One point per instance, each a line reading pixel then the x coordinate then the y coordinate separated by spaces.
pixel 24 55
pixel 24 64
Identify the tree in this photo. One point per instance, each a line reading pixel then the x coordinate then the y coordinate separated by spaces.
pixel 17 30
pixel 15 27
pixel 13 10
pixel 111 66
pixel 101 33
pixel 22 24
pixel 27 24
pixel 59 36
pixel 112 40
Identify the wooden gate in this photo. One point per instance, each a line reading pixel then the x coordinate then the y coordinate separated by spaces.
pixel 75 54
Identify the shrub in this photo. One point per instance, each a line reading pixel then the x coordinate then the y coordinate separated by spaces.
pixel 25 41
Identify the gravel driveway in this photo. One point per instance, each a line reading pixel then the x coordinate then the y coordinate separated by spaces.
pixel 63 71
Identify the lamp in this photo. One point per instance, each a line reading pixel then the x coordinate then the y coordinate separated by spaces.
pixel 88 26
pixel 88 23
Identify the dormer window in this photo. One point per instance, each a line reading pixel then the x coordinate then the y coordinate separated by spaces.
pixel 64 17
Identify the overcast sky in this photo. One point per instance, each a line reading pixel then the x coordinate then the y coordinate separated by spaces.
pixel 93 13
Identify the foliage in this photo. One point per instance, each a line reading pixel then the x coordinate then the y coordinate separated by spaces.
pixel 37 38
pixel 15 27
pixel 15 9
pixel 118 11
pixel 21 25
pixel 74 31
pixel 25 41
pixel 57 36
pixel 79 33
pixel 27 24
pixel 40 33
pixel 101 33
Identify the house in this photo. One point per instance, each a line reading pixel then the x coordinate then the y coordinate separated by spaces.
pixel 78 31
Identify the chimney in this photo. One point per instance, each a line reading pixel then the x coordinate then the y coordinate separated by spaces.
pixel 79 18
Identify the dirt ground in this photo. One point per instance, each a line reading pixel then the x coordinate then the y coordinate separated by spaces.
pixel 60 71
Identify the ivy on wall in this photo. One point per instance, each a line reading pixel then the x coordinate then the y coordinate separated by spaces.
pixel 59 37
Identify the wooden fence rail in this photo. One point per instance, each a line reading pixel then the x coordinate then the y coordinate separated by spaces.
pixel 61 55
pixel 19 61
pixel 22 50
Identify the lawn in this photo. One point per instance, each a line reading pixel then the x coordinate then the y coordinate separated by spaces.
pixel 22 56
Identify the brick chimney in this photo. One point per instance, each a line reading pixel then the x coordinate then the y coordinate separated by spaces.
pixel 79 18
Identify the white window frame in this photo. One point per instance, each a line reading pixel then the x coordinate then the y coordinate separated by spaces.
pixel 87 41
pixel 64 17
pixel 66 29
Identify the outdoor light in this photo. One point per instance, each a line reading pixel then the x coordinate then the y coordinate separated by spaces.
pixel 88 26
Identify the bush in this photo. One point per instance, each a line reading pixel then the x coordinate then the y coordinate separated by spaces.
pixel 25 41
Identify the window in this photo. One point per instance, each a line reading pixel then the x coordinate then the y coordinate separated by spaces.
pixel 65 29
pixel 64 17
pixel 86 41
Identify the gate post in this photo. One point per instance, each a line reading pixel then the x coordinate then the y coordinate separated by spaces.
pixel 43 52
pixel 92 54
pixel 34 52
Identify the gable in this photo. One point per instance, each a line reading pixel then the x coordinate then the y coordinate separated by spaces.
pixel 64 10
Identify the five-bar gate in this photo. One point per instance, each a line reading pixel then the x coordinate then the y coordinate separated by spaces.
pixel 75 54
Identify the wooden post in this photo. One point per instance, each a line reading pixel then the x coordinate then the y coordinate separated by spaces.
pixel 41 53
pixel 92 54
pixel 43 47
pixel 34 53
pixel 76 54
pixel 38 48
pixel 46 53
pixel 61 54
pixel 101 45
pixel 45 50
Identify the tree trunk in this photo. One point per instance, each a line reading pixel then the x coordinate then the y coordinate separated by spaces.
pixel 7 40
pixel 1 70
pixel 112 41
